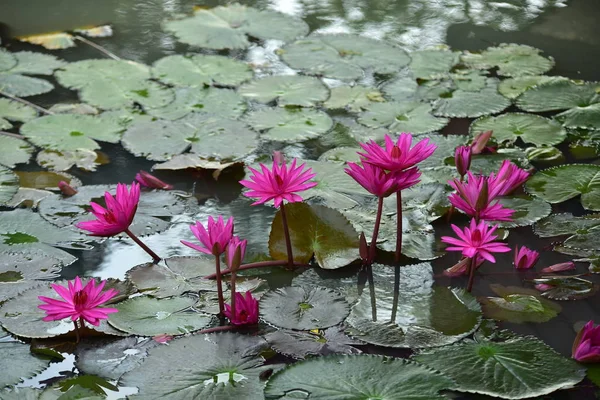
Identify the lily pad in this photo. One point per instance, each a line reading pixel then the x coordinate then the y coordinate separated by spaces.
pixel 111 84
pixel 14 111
pixel 198 70
pixel 318 230
pixel 301 308
pixel 288 90
pixel 351 377
pixel 517 368
pixel 341 155
pixel 14 68
pixel 565 224
pixel 15 267
pixel 415 313
pixel 528 210
pixel 50 41
pixel 567 287
pixel 229 368
pixel 513 87
pixel 63 160
pixel 146 316
pixel 402 117
pixel 227 27
pixel 471 104
pixel 69 132
pixel 14 151
pixel 518 305
pixel 529 128
pixel 353 98
pixel 9 184
pixel 562 183
pixel 432 63
pixel 23 364
pixel 510 59
pixel 290 125
pixel 299 345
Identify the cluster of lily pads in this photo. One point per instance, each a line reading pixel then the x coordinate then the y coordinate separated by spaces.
pixel 203 111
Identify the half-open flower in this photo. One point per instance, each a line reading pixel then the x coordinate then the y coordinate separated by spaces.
pixel 246 310
pixel 396 156
pixel 508 178
pixel 477 198
pixel 462 159
pixel 525 258
pixel 479 143
pixel 560 267
pixel 236 249
pixel 214 238
pixel 586 347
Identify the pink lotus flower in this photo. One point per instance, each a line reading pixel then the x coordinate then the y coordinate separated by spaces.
pixel 509 178
pixel 380 183
pixel 586 347
pixel 398 156
pixel 525 258
pixel 462 267
pixel 476 196
pixel 236 249
pixel 478 239
pixel 246 310
pixel 566 266
pixel 279 183
pixel 480 141
pixel 118 214
pixel 150 181
pixel 79 302
pixel 214 239
pixel 462 159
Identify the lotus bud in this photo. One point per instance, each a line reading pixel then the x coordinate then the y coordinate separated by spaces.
pixel 150 181
pixel 586 347
pixel 278 157
pixel 566 266
pixel 66 189
pixel 525 258
pixel 462 159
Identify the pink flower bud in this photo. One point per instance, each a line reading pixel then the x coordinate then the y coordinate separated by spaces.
pixel 480 141
pixel 525 258
pixel 586 347
pixel 566 266
pixel 66 189
pixel 278 157
pixel 462 159
pixel 542 287
pixel 148 180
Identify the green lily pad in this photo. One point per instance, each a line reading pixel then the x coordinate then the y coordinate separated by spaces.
pixel 146 316
pixel 471 104
pixel 14 111
pixel 229 368
pixel 420 315
pixel 288 90
pixel 402 117
pixel 64 160
pixel 513 87
pixel 351 377
pixel 111 84
pixel 299 345
pixel 567 287
pixel 290 125
pixel 350 133
pixel 565 224
pixel 518 305
pixel 13 289
pixel 432 63
pixel 14 151
pixel 14 68
pixel 301 308
pixel 529 128
pixel 15 267
pixel 9 184
pixel 562 183
pixel 445 147
pixel 510 59
pixel 198 70
pixel 23 364
pixel 317 230
pixel 353 98
pixel 528 210
pixel 341 155
pixel 68 132
pixel 227 27
pixel 517 368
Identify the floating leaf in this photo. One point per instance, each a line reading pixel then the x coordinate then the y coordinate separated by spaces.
pixel 567 287
pixel 15 66
pixel 316 342
pixel 445 147
pixel 226 27
pixel 112 84
pixel 194 161
pixel 28 197
pixel 518 305
pixel 517 368
pixel 15 267
pixel 229 368
pixel 13 151
pixel 14 111
pixel 146 316
pixel 23 364
pixel 402 117
pixel 471 104
pixel 529 128
pixel 301 308
pixel 288 90
pixel 50 41
pixel 9 184
pixel 198 70
pixel 528 210
pixel 341 155
pixel 513 87
pixel 317 230
pixel 290 125
pixel 432 63
pixel 64 160
pixel 351 377
pixel 353 98
pixel 566 224
pixel 562 183
pixel 510 59
pixel 415 314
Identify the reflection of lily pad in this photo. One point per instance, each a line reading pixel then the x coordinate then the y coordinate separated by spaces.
pixel 201 70
pixel 529 128
pixel 23 364
pixel 290 125
pixel 518 305
pixel 9 184
pixel 288 90
pixel 227 27
pixel 14 68
pixel 510 59
pixel 402 117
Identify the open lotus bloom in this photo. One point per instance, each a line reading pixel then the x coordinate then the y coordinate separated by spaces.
pixel 525 258
pixel 214 238
pixel 79 302
pixel 150 181
pixel 586 347
pixel 380 183
pixel 246 310
pixel 476 240
pixel 118 214
pixel 396 156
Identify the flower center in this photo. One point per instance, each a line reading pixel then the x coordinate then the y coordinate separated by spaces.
pixel 476 238
pixel 280 186
pixel 396 152
pixel 80 299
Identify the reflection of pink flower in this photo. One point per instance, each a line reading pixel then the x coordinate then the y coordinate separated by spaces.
pixel 278 183
pixel 525 258
pixel 148 180
pixel 476 198
pixel 586 347
pixel 235 246
pixel 462 159
pixel 509 178
pixel 214 238
pixel 246 310
pixel 477 239
pixel 79 302
pixel 118 214
pixel 380 183
pixel 396 156
pixel 566 266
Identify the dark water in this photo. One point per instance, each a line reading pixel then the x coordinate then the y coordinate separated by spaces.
pixel 565 30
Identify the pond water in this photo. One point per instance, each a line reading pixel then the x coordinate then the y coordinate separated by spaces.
pixel 564 30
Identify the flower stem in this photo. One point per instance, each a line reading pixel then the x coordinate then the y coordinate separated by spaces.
pixel 28 103
pixel 76 331
pixel 372 293
pixel 398 226
pixel 15 135
pixel 233 294
pixel 372 247
pixel 219 285
pixel 260 264
pixel 472 268
pixel 288 242
pixel 223 328
pixel 97 47
pixel 396 294
pixel 152 254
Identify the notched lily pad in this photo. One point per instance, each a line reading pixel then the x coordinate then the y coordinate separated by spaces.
pixel 528 210
pixel 288 90
pixel 23 364
pixel 529 128
pixel 567 287
pixel 198 70
pixel 516 304
pixel 471 104
pixel 353 98
pixel 313 343
pixel 510 59
pixel 15 68
pixel 402 117
pixel 9 184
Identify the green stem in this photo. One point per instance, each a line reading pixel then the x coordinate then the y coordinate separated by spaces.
pixel 260 264
pixel 396 294
pixel 155 258
pixel 28 103
pixel 97 47
pixel 219 284
pixel 372 247
pixel 472 267
pixel 288 242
